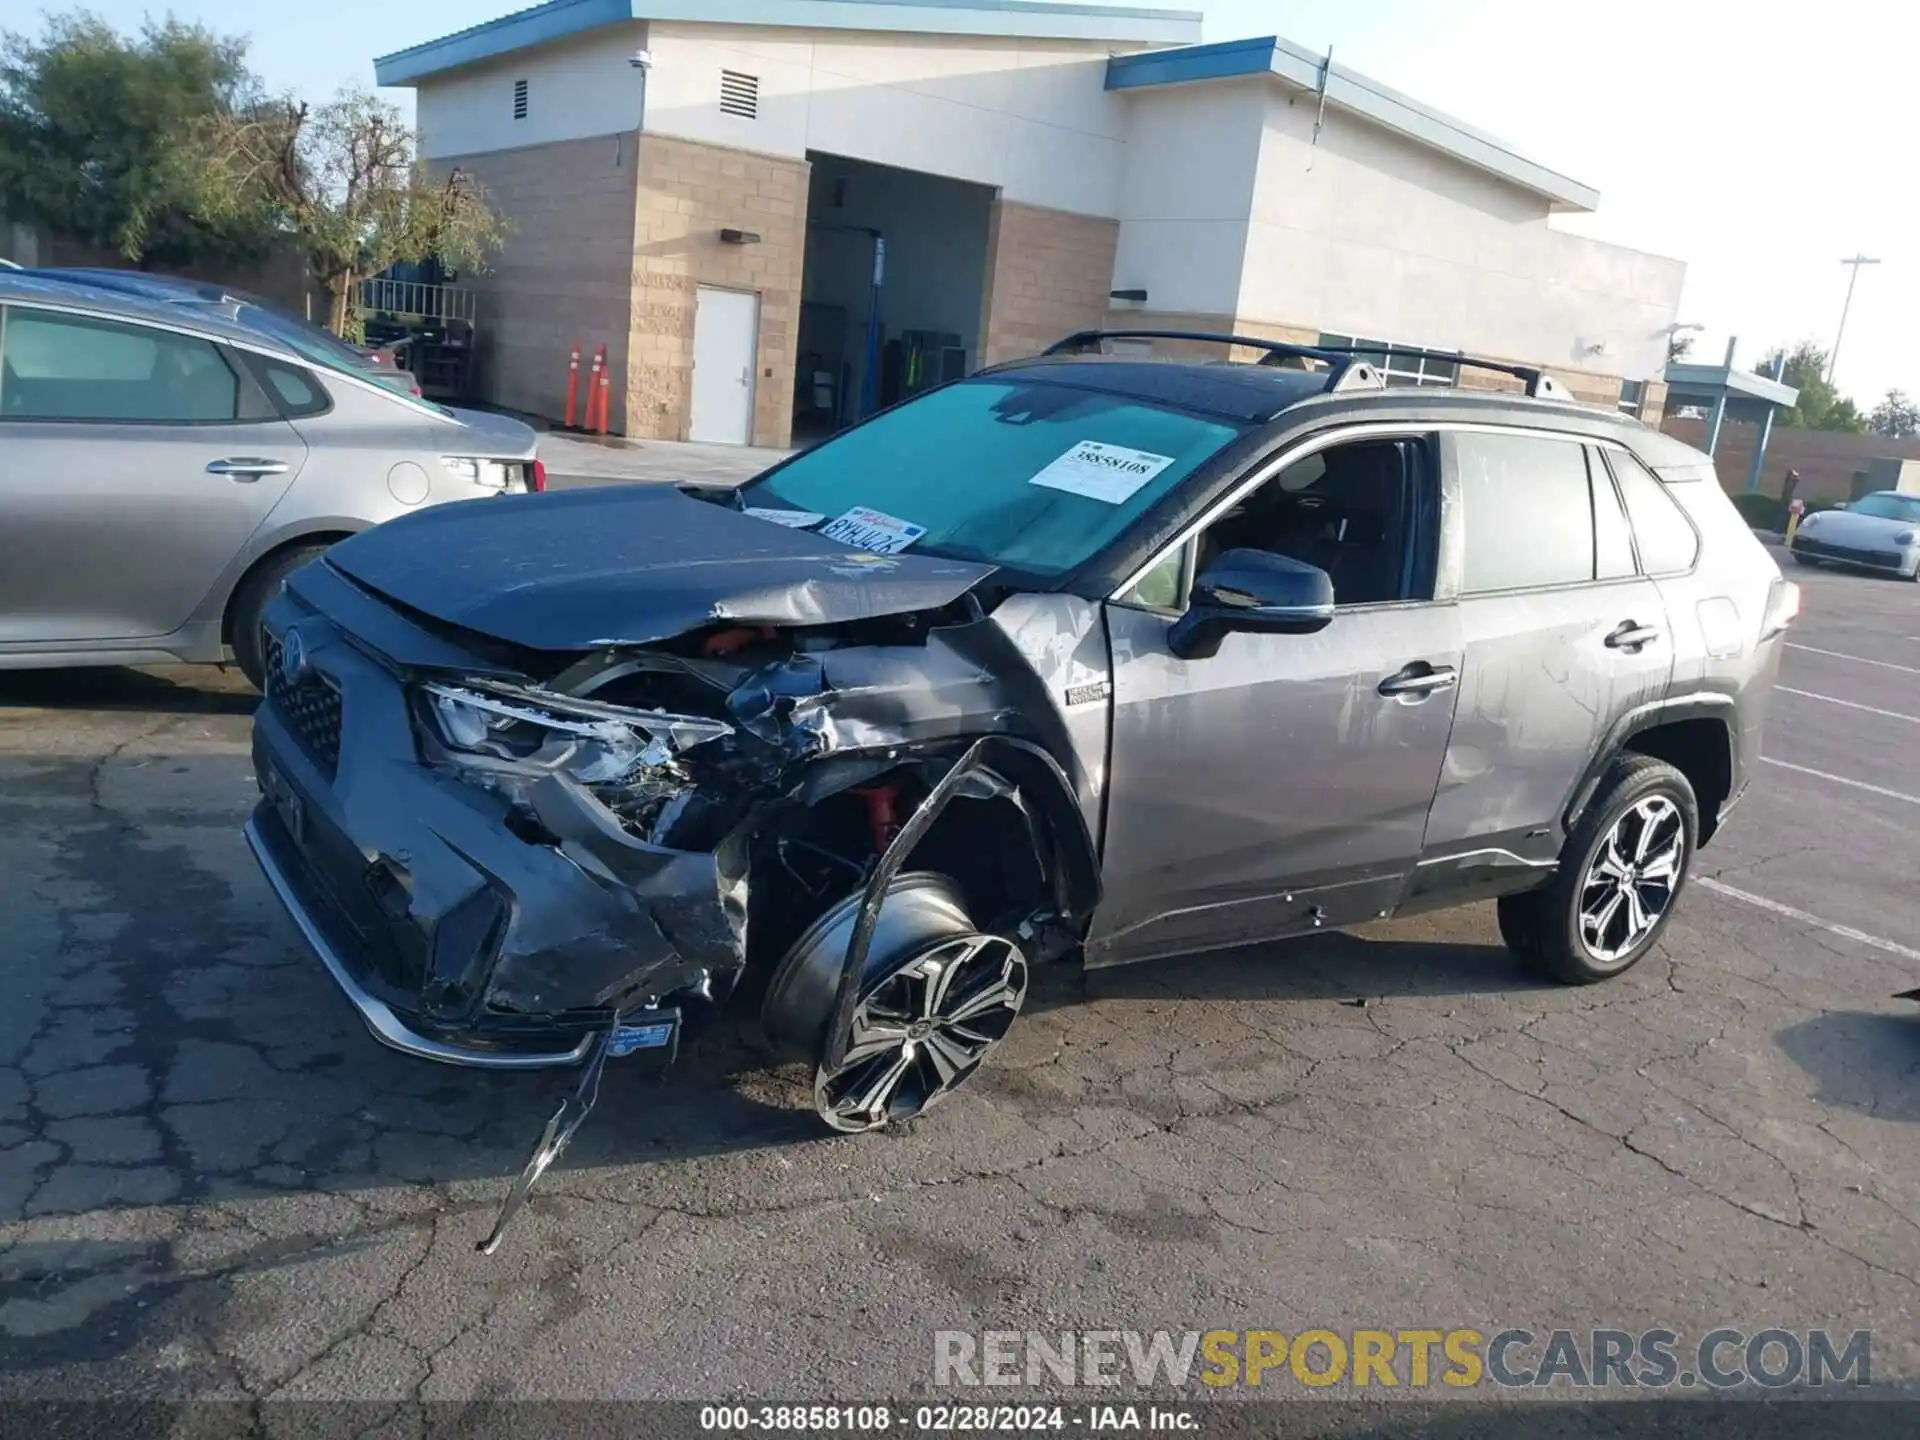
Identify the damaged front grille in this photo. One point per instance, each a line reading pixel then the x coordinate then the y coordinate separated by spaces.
pixel 310 705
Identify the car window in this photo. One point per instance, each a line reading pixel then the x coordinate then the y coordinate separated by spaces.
pixel 296 392
pixel 1667 541
pixel 1612 539
pixel 1162 587
pixel 1349 509
pixel 70 367
pixel 1032 475
pixel 1885 505
pixel 1526 512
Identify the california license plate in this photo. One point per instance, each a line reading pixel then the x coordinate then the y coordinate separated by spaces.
pixel 874 530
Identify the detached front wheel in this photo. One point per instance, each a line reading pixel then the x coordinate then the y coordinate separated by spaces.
pixel 936 996
pixel 1623 868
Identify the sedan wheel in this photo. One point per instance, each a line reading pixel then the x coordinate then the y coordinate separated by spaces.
pixel 937 996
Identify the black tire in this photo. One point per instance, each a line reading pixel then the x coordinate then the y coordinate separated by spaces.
pixel 1544 927
pixel 251 596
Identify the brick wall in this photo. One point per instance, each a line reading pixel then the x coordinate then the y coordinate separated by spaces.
pixel 562 274
pixel 1827 460
pixel 688 193
pixel 1048 274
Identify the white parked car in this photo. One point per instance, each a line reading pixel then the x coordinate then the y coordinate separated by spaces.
pixel 1880 531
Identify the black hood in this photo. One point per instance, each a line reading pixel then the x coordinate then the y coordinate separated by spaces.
pixel 631 565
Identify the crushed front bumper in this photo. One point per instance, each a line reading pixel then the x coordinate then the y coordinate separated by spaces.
pixel 455 939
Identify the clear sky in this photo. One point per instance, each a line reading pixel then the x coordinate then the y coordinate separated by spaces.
pixel 1757 142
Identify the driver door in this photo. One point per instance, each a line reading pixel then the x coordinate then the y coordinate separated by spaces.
pixel 1283 784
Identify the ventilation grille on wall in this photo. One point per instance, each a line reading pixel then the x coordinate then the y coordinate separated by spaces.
pixel 739 94
pixel 519 99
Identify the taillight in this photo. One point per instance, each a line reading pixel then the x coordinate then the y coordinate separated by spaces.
pixel 537 476
pixel 1783 608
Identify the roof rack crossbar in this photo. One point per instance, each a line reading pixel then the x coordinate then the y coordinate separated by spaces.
pixel 1340 360
pixel 1540 385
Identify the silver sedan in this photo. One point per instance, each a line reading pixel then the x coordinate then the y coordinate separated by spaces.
pixel 164 468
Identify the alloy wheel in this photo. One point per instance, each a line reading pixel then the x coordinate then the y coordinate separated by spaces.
pixel 922 1031
pixel 1632 879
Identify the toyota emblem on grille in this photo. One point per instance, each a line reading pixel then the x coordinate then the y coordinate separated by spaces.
pixel 293 657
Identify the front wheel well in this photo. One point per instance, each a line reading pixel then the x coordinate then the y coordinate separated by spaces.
pixel 298 542
pixel 1700 749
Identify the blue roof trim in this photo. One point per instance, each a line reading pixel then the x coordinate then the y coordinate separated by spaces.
pixel 1035 19
pixel 1348 90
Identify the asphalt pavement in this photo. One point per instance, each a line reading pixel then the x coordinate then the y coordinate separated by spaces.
pixel 213 1183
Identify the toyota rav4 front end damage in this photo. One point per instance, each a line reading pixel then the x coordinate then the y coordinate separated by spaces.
pixel 513 851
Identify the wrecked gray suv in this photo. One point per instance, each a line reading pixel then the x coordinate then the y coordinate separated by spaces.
pixel 1082 658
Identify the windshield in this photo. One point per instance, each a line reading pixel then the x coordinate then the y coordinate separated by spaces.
pixel 1034 476
pixel 1888 506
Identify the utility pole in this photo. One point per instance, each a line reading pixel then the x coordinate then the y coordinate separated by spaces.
pixel 1833 358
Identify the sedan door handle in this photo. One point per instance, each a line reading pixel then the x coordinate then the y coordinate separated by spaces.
pixel 247 468
pixel 1419 680
pixel 1631 635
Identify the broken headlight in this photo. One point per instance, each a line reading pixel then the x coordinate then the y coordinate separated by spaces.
pixel 519 731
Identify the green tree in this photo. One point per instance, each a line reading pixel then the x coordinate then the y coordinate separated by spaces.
pixel 342 179
pixel 1896 416
pixel 1820 407
pixel 97 137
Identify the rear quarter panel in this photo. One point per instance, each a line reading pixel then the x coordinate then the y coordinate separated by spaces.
pixel 1716 612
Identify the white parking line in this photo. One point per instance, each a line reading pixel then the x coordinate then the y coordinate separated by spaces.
pixel 1850 704
pixel 1845 932
pixel 1842 780
pixel 1857 659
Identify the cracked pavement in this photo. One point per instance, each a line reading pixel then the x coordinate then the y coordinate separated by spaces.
pixel 213 1183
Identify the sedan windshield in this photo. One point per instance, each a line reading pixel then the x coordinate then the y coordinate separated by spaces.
pixel 1889 506
pixel 1033 476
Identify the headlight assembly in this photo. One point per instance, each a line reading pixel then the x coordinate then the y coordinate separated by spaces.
pixel 507 728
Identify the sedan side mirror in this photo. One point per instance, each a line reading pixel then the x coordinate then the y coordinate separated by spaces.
pixel 1251 590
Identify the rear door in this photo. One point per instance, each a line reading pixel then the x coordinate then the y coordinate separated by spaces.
pixel 138 461
pixel 1561 633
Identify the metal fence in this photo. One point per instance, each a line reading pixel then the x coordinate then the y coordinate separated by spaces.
pixel 407 297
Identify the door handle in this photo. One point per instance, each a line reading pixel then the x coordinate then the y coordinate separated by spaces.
pixel 247 468
pixel 1631 635
pixel 1419 680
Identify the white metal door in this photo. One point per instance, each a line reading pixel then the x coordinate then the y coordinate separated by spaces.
pixel 726 328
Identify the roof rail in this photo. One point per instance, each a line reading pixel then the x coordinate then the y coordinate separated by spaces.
pixel 1540 385
pixel 1349 371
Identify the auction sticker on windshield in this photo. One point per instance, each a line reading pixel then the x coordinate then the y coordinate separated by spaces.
pixel 866 529
pixel 1102 472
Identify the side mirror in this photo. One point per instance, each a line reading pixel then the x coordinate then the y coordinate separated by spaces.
pixel 1251 590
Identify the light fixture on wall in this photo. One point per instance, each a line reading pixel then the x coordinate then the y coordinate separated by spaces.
pixel 1138 297
pixel 739 237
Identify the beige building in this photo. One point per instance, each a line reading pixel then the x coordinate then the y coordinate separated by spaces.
pixel 779 215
